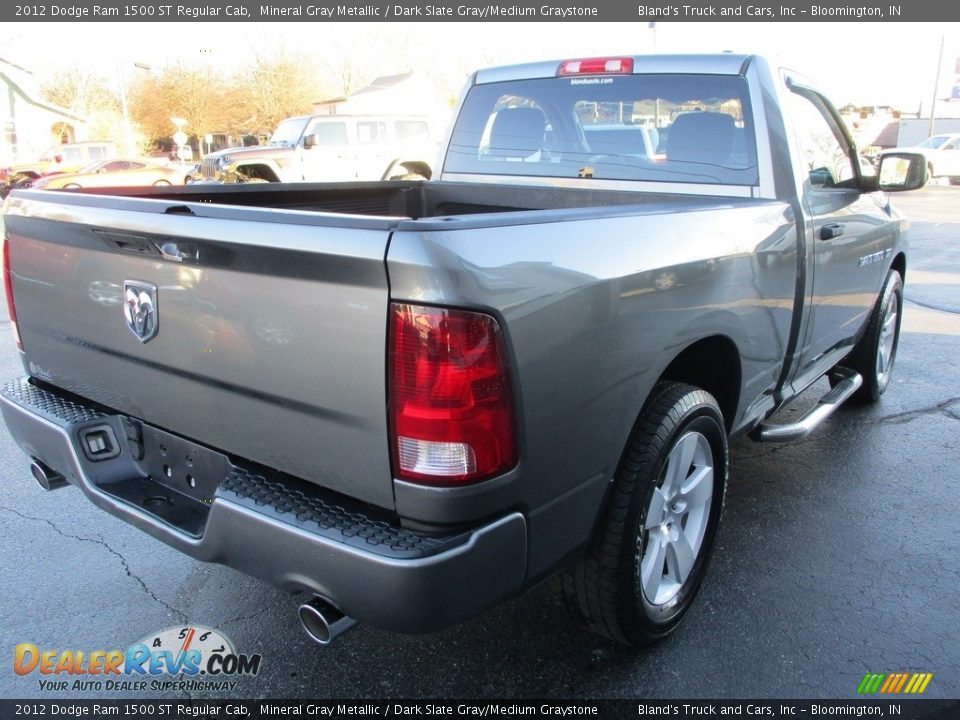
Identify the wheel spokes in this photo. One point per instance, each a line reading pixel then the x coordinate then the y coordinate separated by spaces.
pixel 680 558
pixel 698 488
pixel 655 509
pixel 651 567
pixel 676 518
pixel 678 463
pixel 888 336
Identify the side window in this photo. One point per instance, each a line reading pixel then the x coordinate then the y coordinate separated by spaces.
pixel 116 165
pixel 823 149
pixel 329 133
pixel 411 130
pixel 952 145
pixel 371 132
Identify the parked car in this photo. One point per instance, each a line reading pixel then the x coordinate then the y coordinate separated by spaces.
pixel 116 172
pixel 68 157
pixel 942 153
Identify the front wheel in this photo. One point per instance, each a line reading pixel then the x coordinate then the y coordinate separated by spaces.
pixel 875 354
pixel 650 552
pixel 162 183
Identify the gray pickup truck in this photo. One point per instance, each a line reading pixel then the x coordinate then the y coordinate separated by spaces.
pixel 413 400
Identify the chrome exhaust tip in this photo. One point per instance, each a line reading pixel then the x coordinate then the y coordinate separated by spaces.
pixel 46 477
pixel 323 622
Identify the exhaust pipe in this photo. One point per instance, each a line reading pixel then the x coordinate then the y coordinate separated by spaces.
pixel 323 622
pixel 46 477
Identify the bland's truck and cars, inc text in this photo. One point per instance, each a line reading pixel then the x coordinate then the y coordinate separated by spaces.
pixel 415 399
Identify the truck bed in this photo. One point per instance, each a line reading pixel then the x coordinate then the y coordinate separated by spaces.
pixel 272 302
pixel 398 200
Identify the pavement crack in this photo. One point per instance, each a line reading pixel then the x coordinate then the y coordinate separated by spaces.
pixel 123 561
pixel 941 408
pixel 250 616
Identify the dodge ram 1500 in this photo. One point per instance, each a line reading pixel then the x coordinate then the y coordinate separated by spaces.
pixel 413 400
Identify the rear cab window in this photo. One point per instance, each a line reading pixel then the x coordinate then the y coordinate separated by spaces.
pixel 650 127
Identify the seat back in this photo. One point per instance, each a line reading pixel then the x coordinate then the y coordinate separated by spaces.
pixel 701 137
pixel 517 133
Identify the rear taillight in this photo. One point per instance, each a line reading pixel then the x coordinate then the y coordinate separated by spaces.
pixel 8 288
pixel 451 402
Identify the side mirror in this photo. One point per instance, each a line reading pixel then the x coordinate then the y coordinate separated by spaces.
pixel 310 141
pixel 901 171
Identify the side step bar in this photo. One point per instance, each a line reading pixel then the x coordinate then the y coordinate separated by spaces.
pixel 847 383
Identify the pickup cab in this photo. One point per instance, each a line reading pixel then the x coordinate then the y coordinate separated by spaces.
pixel 413 400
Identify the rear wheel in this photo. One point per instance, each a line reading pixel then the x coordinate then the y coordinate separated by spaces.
pixel 875 354
pixel 162 183
pixel 650 552
pixel 70 186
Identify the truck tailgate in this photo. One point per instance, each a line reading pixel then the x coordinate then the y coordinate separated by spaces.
pixel 270 325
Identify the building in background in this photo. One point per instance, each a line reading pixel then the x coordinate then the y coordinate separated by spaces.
pixel 30 124
pixel 404 94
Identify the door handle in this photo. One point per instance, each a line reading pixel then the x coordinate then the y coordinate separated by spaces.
pixel 831 231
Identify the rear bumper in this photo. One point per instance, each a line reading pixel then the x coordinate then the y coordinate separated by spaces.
pixel 277 528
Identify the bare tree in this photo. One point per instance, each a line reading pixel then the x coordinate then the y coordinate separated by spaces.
pixel 80 92
pixel 274 87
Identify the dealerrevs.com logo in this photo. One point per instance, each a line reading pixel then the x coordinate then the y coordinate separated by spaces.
pixel 178 658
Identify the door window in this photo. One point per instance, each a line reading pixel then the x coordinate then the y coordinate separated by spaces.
pixel 371 132
pixel 329 133
pixel 824 151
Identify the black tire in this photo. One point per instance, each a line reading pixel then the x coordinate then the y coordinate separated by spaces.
pixel 71 186
pixel 882 336
pixel 606 587
pixel 162 183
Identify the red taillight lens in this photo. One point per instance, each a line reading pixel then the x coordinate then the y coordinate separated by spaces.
pixel 596 66
pixel 451 403
pixel 8 288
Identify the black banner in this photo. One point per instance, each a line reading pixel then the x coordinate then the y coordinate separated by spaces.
pixel 480 10
pixel 914 709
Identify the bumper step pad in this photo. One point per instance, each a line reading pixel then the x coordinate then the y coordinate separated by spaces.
pixel 307 507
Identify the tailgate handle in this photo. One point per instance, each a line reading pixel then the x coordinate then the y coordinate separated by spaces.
pixel 178 252
pixel 178 210
pixel 136 244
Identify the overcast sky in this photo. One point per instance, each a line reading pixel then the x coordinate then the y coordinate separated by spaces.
pixel 864 63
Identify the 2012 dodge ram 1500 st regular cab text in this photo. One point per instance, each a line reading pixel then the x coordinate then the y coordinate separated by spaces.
pixel 412 400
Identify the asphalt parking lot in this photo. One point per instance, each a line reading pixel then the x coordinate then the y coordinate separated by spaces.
pixel 838 555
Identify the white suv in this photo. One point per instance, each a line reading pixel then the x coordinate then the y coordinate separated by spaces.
pixel 942 153
pixel 331 148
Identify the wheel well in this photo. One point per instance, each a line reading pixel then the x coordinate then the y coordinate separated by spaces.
pixel 712 364
pixel 900 265
pixel 410 167
pixel 257 172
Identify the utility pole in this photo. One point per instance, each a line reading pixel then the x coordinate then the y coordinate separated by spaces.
pixel 936 85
